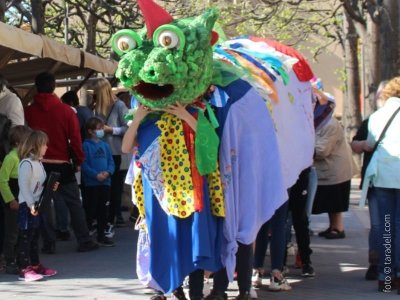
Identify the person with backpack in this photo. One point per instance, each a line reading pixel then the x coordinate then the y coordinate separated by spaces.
pixel 9 191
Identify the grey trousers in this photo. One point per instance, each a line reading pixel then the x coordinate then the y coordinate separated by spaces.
pixel 69 194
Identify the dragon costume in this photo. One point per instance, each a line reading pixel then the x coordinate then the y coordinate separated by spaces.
pixel 203 191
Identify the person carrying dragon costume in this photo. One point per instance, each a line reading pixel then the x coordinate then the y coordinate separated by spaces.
pixel 210 168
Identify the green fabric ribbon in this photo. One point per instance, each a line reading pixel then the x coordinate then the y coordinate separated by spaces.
pixel 206 145
pixel 211 115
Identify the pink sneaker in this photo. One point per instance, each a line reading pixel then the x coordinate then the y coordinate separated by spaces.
pixel 29 274
pixel 46 272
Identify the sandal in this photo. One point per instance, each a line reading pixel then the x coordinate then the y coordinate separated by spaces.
pixel 335 234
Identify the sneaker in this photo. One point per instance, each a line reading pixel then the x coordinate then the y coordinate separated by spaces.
pixel 372 273
pixel 178 294
pixel 29 275
pixel 93 231
pixel 109 231
pixel 12 268
pixel 278 282
pixel 307 271
pixel 256 279
pixel 285 270
pixel 42 270
pixel 87 246
pixel 106 242
pixel 158 296
pixel 291 249
pixel 253 293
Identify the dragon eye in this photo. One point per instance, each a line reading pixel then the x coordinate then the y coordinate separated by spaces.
pixel 124 41
pixel 169 37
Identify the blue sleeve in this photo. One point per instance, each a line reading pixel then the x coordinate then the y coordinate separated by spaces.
pixel 86 168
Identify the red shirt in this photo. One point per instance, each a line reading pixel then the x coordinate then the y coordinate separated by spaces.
pixel 60 123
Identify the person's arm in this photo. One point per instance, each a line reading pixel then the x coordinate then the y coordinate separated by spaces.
pixel 122 127
pixel 360 146
pixel 181 112
pixel 326 140
pixel 5 174
pixel 90 172
pixel 16 114
pixel 359 143
pixel 129 140
pixel 25 174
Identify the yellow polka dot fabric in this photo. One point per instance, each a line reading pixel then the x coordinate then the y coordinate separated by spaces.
pixel 175 165
pixel 138 188
pixel 216 193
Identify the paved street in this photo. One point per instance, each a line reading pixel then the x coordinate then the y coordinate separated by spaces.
pixel 109 273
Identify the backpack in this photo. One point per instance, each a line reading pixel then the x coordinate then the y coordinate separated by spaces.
pixel 5 125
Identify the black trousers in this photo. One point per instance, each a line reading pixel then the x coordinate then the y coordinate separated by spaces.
pixel 244 264
pixel 117 184
pixel 94 204
pixel 10 234
pixel 28 248
pixel 297 205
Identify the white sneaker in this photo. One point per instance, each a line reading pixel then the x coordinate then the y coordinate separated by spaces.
pixel 256 279
pixel 278 282
pixel 109 232
pixel 253 293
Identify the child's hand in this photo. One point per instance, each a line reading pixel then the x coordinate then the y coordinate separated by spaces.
pixel 55 186
pixel 108 129
pixel 14 205
pixel 34 212
pixel 105 174
pixel 100 177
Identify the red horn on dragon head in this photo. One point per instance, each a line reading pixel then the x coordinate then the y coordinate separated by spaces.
pixel 154 16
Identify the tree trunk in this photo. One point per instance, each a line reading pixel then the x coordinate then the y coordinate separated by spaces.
pixel 90 32
pixel 2 10
pixel 351 104
pixel 372 74
pixel 37 16
pixel 390 39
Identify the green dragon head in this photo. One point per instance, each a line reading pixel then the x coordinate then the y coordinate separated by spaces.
pixel 168 61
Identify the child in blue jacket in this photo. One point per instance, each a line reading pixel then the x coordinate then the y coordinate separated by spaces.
pixel 97 169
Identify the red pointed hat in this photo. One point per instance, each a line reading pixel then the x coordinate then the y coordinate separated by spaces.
pixel 154 16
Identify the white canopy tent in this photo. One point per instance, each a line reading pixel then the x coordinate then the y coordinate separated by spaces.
pixel 23 55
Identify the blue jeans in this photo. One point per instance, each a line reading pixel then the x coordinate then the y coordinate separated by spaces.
pixel 388 201
pixel 373 237
pixel 278 240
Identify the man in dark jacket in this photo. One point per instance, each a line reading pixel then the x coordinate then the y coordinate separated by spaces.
pixel 59 122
